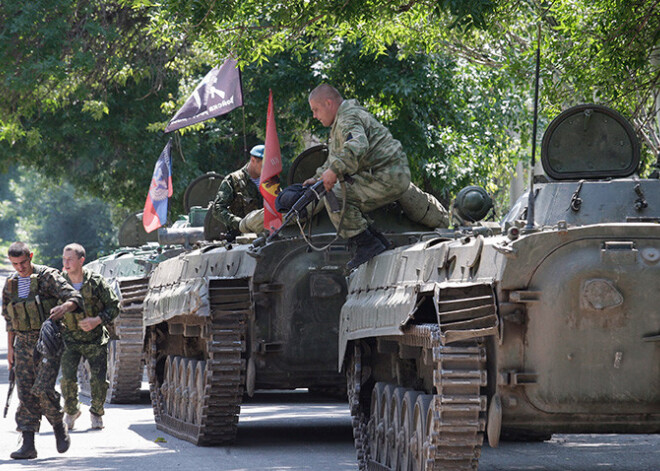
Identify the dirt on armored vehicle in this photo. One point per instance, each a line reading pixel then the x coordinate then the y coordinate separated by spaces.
pixel 550 325
pixel 128 270
pixel 228 318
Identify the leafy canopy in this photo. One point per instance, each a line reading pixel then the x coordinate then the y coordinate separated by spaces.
pixel 87 87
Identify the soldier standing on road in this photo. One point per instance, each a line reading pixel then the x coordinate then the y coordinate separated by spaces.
pixel 365 150
pixel 30 295
pixel 239 193
pixel 86 335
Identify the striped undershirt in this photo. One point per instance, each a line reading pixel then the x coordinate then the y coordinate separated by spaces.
pixel 23 286
pixel 77 286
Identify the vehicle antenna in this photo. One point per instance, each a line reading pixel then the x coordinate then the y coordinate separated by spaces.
pixel 530 204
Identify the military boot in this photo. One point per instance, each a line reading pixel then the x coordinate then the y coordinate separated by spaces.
pixel 97 421
pixel 70 419
pixel 368 246
pixel 379 235
pixel 27 451
pixel 62 437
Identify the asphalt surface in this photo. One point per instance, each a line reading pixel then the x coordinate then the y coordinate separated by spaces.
pixel 285 431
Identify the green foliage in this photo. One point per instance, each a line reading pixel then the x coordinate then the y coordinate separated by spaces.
pixel 8 213
pixel 87 87
pixel 54 53
pixel 255 30
pixel 608 51
pixel 52 216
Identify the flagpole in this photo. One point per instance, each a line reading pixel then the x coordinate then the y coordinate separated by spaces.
pixel 240 81
pixel 245 149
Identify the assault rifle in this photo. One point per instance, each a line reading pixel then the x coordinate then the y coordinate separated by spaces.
pixel 12 382
pixel 310 194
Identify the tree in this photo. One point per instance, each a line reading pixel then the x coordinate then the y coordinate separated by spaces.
pixel 88 86
pixel 8 213
pixel 53 216
pixel 593 50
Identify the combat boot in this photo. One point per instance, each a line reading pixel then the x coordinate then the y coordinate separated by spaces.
pixel 70 419
pixel 62 437
pixel 27 451
pixel 368 246
pixel 97 421
pixel 383 240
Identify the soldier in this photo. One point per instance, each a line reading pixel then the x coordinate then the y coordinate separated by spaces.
pixel 30 295
pixel 86 335
pixel 239 193
pixel 364 149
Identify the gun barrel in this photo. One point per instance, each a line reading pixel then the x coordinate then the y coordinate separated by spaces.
pixel 183 236
pixel 12 382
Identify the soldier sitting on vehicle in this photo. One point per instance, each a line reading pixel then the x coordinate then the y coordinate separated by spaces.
pixel 364 149
pixel 239 193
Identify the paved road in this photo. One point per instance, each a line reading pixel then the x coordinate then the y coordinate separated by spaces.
pixel 287 432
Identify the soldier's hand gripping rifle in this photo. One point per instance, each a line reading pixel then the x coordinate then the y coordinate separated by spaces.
pixel 310 194
pixel 12 382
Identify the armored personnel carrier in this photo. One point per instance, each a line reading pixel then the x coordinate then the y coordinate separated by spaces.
pixel 549 325
pixel 128 270
pixel 226 319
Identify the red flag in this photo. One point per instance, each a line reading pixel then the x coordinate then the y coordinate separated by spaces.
pixel 272 166
pixel 155 208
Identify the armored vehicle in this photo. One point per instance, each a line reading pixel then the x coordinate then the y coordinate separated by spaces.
pixel 128 270
pixel 229 318
pixel 548 325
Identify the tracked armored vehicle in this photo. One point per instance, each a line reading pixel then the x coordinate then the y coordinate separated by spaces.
pixel 229 318
pixel 128 270
pixel 549 326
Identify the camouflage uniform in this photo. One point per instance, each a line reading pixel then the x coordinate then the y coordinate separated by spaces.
pixel 236 197
pixel 99 300
pixel 35 376
pixel 364 149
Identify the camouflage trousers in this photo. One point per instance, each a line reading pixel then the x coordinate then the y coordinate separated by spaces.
pixel 367 192
pixel 97 357
pixel 35 382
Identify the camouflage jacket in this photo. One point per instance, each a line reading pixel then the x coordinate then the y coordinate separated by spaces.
pixel 99 300
pixel 359 143
pixel 236 197
pixel 52 288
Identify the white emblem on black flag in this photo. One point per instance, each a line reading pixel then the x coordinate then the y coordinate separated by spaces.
pixel 218 94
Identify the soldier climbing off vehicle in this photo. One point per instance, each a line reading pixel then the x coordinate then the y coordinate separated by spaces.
pixel 364 149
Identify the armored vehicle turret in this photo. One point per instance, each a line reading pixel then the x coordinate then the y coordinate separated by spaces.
pixel 226 319
pixel 549 325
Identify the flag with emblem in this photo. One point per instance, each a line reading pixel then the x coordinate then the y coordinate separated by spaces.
pixel 155 208
pixel 272 166
pixel 218 94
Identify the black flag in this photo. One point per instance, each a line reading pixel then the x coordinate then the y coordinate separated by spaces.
pixel 218 94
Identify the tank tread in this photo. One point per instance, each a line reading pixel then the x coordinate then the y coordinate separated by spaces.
pixel 219 395
pixel 127 368
pixel 125 357
pixel 458 408
pixel 453 439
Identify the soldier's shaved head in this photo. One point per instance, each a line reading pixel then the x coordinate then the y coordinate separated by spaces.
pixel 325 92
pixel 324 101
